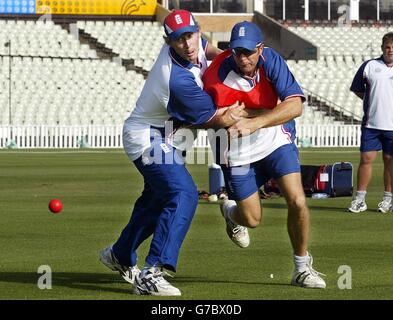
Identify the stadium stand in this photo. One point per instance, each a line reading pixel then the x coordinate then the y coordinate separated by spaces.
pixel 58 80
pixel 342 50
pixel 69 91
pixel 359 42
pixel 137 40
pixel 72 91
pixel 41 38
pixel 95 75
pixel 71 67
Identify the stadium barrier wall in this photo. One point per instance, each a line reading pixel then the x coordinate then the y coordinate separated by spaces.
pixel 110 136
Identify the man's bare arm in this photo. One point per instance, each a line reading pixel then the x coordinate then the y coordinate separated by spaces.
pixel 212 52
pixel 252 113
pixel 224 117
pixel 284 112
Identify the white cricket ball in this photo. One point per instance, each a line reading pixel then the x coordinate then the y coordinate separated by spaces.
pixel 212 198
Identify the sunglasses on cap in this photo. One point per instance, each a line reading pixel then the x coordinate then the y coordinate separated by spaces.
pixel 239 51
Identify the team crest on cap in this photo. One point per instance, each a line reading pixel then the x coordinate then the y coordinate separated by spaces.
pixel 179 21
pixel 245 35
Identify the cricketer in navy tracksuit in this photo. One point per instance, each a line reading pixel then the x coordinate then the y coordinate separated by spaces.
pixel 173 90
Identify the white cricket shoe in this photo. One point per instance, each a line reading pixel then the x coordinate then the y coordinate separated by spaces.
pixel 109 260
pixel 357 206
pixel 308 278
pixel 237 233
pixel 385 206
pixel 151 282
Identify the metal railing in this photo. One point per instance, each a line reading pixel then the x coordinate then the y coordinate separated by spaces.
pixel 110 136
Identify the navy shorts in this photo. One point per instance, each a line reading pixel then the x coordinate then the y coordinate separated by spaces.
pixel 375 140
pixel 242 181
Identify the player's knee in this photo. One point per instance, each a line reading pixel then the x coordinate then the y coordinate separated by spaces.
pixel 367 159
pixel 253 223
pixel 252 219
pixel 366 162
pixel 297 202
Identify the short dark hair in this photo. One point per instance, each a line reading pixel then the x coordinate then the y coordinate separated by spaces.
pixel 388 37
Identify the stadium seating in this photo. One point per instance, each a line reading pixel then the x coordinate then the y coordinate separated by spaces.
pixel 311 115
pixel 361 41
pixel 136 40
pixel 57 80
pixel 66 91
pixel 329 80
pixel 41 38
pixel 342 51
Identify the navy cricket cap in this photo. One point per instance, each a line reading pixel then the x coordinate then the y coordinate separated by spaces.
pixel 245 35
pixel 178 22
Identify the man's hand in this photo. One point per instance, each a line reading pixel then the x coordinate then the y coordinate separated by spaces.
pixel 225 117
pixel 264 118
pixel 244 127
pixel 232 114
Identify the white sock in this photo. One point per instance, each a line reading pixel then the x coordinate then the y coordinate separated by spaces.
pixel 361 195
pixel 230 209
pixel 301 262
pixel 387 196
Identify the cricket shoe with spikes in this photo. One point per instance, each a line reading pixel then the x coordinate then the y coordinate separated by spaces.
pixel 151 282
pixel 109 260
pixel 385 206
pixel 309 277
pixel 237 233
pixel 357 206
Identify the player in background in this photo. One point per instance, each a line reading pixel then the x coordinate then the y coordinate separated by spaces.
pixel 373 83
pixel 261 145
pixel 172 93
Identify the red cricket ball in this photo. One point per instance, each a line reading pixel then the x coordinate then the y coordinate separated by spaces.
pixel 55 206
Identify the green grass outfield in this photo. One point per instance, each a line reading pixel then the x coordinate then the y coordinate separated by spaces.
pixel 98 189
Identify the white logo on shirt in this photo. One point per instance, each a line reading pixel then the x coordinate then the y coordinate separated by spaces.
pixel 178 19
pixel 242 32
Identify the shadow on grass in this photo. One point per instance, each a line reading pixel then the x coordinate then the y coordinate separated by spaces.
pixel 283 206
pixel 81 281
pixel 100 281
pixel 326 207
pixel 201 280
